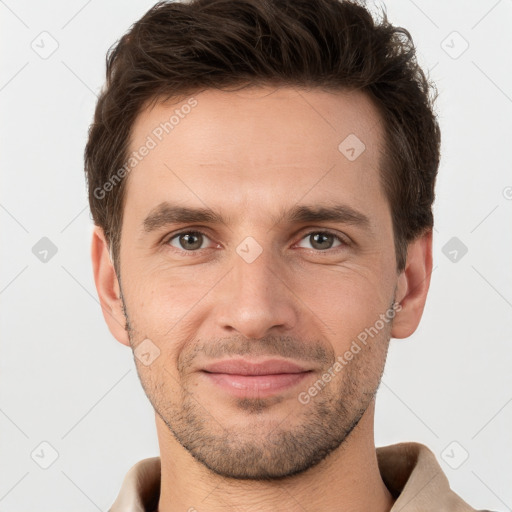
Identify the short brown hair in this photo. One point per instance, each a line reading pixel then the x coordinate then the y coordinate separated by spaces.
pixel 177 49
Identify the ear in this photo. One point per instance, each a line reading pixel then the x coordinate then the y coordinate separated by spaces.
pixel 107 286
pixel 413 285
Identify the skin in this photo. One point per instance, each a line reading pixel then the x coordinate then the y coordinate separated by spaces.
pixel 250 155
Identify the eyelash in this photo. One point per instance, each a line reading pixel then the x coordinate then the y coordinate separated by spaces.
pixel 343 242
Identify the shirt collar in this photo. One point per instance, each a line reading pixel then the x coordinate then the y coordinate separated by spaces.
pixel 409 470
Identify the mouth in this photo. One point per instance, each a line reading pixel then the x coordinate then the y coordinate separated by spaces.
pixel 247 379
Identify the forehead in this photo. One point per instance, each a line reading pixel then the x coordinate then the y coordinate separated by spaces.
pixel 256 147
pixel 205 120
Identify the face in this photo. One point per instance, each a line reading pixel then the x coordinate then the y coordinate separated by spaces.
pixel 256 234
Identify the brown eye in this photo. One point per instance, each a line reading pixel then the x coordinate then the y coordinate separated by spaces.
pixel 188 241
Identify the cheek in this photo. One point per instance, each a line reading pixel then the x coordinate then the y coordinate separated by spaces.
pixel 163 290
pixel 345 301
pixel 163 304
pixel 169 304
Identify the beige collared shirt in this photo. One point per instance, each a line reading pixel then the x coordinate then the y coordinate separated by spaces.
pixel 409 470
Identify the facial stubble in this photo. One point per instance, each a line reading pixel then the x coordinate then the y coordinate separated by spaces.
pixel 271 448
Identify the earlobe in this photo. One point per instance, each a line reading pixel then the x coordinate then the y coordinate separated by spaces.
pixel 413 285
pixel 107 286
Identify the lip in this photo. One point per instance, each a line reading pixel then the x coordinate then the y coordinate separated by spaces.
pixel 244 367
pixel 245 379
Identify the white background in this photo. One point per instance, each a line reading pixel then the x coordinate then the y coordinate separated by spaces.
pixel 66 381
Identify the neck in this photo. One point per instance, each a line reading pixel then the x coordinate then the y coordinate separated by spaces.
pixel 348 479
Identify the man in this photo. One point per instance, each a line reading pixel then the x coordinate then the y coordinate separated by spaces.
pixel 261 176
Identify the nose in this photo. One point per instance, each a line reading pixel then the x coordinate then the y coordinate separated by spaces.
pixel 255 299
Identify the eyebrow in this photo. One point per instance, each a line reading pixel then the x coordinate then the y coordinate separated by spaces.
pixel 167 213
